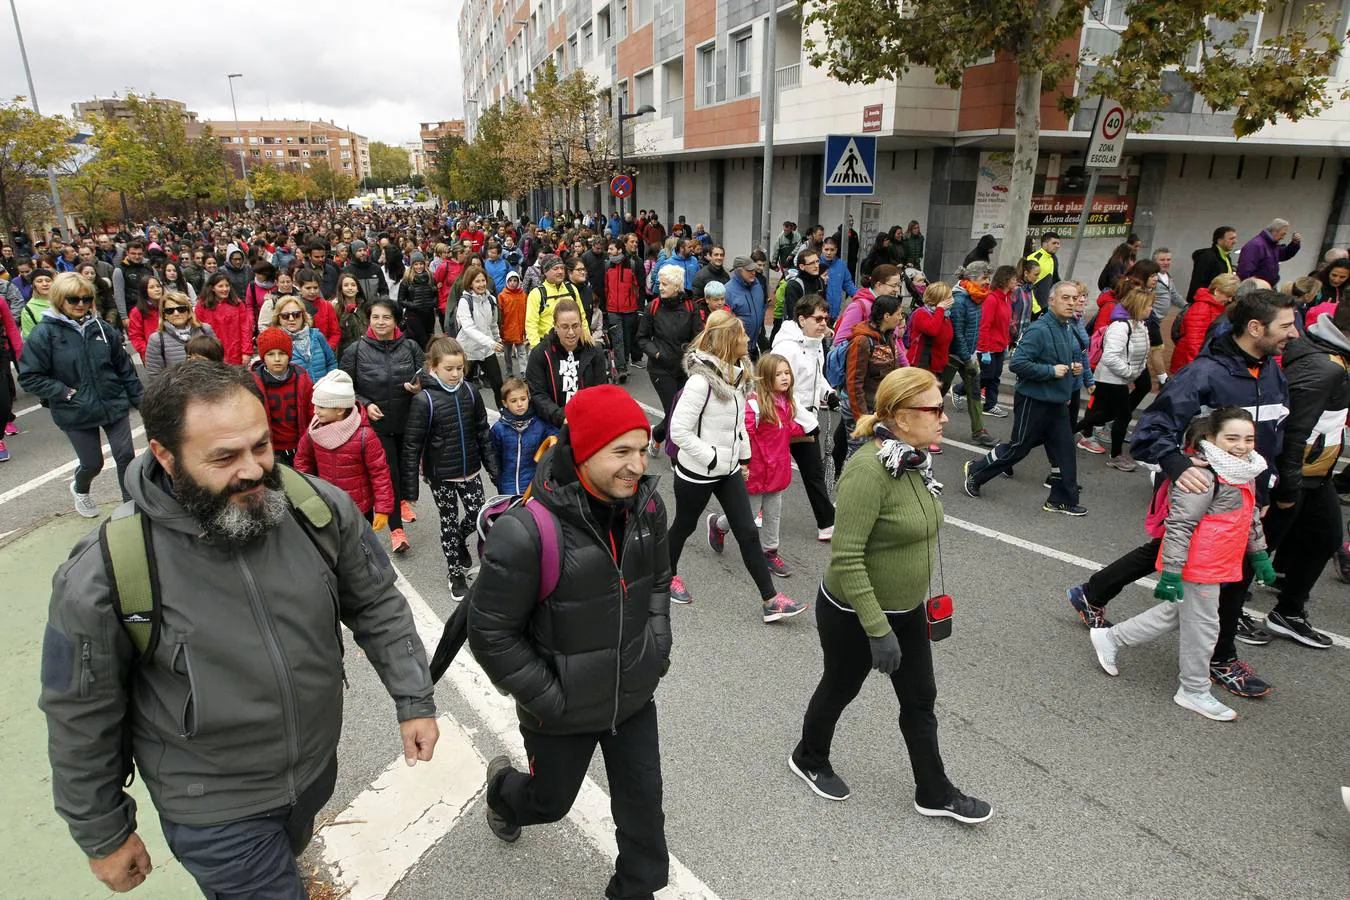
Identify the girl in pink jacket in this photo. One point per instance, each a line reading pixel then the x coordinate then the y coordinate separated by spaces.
pixel 770 421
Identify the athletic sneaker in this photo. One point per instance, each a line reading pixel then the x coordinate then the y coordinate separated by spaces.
pixel 967 810
pixel 84 504
pixel 638 363
pixel 11 429
pixel 459 587
pixel 759 519
pixel 1297 629
pixel 1345 797
pixel 984 438
pixel 1007 473
pixel 1251 633
pixel 1204 704
pixel 1104 643
pixel 1239 678
pixel 398 541
pixel 1069 509
pixel 1090 445
pixel 776 564
pixel 782 607
pixel 1092 616
pixel 4 452
pixel 826 534
pixel 678 592
pixel 717 538
pixel 406 511
pixel 1123 462
pixel 958 401
pixel 821 780
pixel 972 489
pixel 495 770
pixel 654 449
pixel 996 412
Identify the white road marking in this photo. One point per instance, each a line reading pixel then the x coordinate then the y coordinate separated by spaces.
pixel 370 860
pixel 24 412
pixel 60 471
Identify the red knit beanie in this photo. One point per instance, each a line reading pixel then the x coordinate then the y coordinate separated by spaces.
pixel 598 415
pixel 273 338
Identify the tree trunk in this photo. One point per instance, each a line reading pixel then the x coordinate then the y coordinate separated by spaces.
pixel 4 210
pixel 1026 151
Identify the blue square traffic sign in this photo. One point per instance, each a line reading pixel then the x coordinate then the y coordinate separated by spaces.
pixel 850 164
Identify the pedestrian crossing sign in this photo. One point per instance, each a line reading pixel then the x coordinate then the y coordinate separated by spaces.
pixel 850 164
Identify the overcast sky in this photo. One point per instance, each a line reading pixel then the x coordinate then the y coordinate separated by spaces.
pixel 379 73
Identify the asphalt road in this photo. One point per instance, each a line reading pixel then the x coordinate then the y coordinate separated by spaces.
pixel 1100 786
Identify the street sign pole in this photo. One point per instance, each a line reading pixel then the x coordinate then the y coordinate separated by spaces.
pixel 1082 223
pixel 1105 149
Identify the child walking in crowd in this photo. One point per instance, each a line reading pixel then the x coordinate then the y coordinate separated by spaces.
pixel 447 439
pixel 511 302
pixel 340 447
pixel 1205 538
pixel 995 337
pixel 770 415
pixel 286 389
pixel 516 438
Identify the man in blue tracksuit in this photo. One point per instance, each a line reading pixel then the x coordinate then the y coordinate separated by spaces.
pixel 1234 369
pixel 838 282
pixel 1047 363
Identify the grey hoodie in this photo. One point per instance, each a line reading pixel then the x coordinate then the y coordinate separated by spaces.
pixel 239 707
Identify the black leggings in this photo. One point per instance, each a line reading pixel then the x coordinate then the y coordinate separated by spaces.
pixel 392 445
pixel 6 397
pixel 420 324
pixel 807 456
pixel 667 386
pixel 491 372
pixel 1109 403
pixel 691 499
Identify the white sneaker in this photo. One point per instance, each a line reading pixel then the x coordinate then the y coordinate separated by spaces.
pixel 997 412
pixel 1345 797
pixel 1104 642
pixel 825 534
pixel 958 401
pixel 1205 704
pixel 84 504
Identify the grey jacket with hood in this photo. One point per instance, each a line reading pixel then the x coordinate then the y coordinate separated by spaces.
pixel 239 706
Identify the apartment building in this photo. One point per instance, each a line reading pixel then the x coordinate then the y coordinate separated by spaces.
pixel 118 109
pixel 295 143
pixel 941 153
pixel 431 132
pixel 417 158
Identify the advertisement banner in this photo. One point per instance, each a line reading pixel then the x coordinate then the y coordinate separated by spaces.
pixel 1110 216
pixel 991 195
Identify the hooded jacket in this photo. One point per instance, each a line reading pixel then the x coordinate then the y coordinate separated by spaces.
pixel 511 302
pixel 290 403
pixel 930 337
pixel 314 356
pixel 479 332
pixel 378 370
pixel 806 355
pixel 966 312
pixel 838 282
pixel 1222 375
pixel 623 286
pixel 239 707
pixel 1195 322
pixel 708 421
pixel 516 439
pixel 1124 349
pixel 140 325
pixel 357 466
pixel 995 323
pixel 419 292
pixel 446 436
pixel 1201 546
pixel 446 276
pixel 369 275
pixel 770 453
pixel 665 331
pixel 239 272
pixel 60 355
pixel 870 358
pixel 589 656
pixel 167 347
pixel 1319 401
pixel 554 375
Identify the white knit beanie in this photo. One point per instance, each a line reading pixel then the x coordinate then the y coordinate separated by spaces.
pixel 335 391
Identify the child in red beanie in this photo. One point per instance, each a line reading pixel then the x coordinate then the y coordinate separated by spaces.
pixel 287 391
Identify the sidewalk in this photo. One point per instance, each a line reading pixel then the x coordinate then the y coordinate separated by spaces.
pixel 43 862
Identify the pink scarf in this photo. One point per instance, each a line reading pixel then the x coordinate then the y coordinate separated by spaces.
pixel 333 435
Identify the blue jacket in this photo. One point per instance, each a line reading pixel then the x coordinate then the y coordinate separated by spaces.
pixel 691 267
pixel 747 302
pixel 1219 376
pixel 497 269
pixel 840 282
pixel 1046 344
pixel 614 224
pixel 321 359
pixel 965 316
pixel 517 439
pixel 1087 379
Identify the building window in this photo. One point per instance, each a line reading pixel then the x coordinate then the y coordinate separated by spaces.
pixel 267 153
pixel 585 43
pixel 290 140
pixel 346 154
pixel 346 165
pixel 644 86
pixel 257 153
pixel 295 153
pixel 707 75
pixel 602 29
pixel 255 140
pixel 642 12
pixel 741 55
pixel 621 11
pixel 344 142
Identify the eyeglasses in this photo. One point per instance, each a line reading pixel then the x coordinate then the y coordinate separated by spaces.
pixel 567 328
pixel 175 310
pixel 80 298
pixel 810 262
pixel 823 317
pixel 935 410
pixel 294 314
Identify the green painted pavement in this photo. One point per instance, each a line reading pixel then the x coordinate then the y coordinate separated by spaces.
pixel 41 860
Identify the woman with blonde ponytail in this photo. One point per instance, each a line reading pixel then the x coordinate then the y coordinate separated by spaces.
pixel 871 607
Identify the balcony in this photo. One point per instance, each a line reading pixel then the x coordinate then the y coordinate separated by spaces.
pixel 673 109
pixel 788 77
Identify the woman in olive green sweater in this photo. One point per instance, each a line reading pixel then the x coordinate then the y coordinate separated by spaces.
pixel 870 609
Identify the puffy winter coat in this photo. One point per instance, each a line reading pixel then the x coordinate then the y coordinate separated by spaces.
pixel 930 337
pixel 516 440
pixel 166 348
pixel 233 327
pixel 511 302
pixel 965 314
pixel 318 359
pixel 554 375
pixel 807 357
pixel 1319 401
pixel 446 276
pixel 479 331
pixel 378 370
pixel 1124 351
pixel 1208 534
pixel 1195 322
pixel 140 325
pixel 320 310
pixel 708 422
pixel 358 466
pixel 623 286
pixel 419 292
pixel 770 455
pixel 995 323
pixel 290 404
pixel 590 655
pixel 665 331
pixel 838 284
pixel 59 355
pixel 446 436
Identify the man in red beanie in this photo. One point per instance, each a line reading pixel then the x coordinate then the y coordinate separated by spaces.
pixel 583 662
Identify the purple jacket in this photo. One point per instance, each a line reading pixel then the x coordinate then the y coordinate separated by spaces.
pixel 1261 257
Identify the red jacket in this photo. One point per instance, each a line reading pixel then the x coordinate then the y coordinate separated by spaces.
pixel 654 233
pixel 1106 301
pixel 359 467
pixel 446 276
pixel 621 289
pixel 290 405
pixel 995 323
pixel 141 326
pixel 234 330
pixel 1195 322
pixel 326 320
pixel 770 456
pixel 13 339
pixel 930 334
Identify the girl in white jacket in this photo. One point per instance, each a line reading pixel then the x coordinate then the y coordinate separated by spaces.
pixel 800 342
pixel 707 425
pixel 480 331
pixel 1124 356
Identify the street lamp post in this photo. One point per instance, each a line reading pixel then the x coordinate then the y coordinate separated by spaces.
pixel 32 98
pixel 243 150
pixel 624 117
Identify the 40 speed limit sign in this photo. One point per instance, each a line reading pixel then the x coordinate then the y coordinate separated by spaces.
pixel 1107 145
